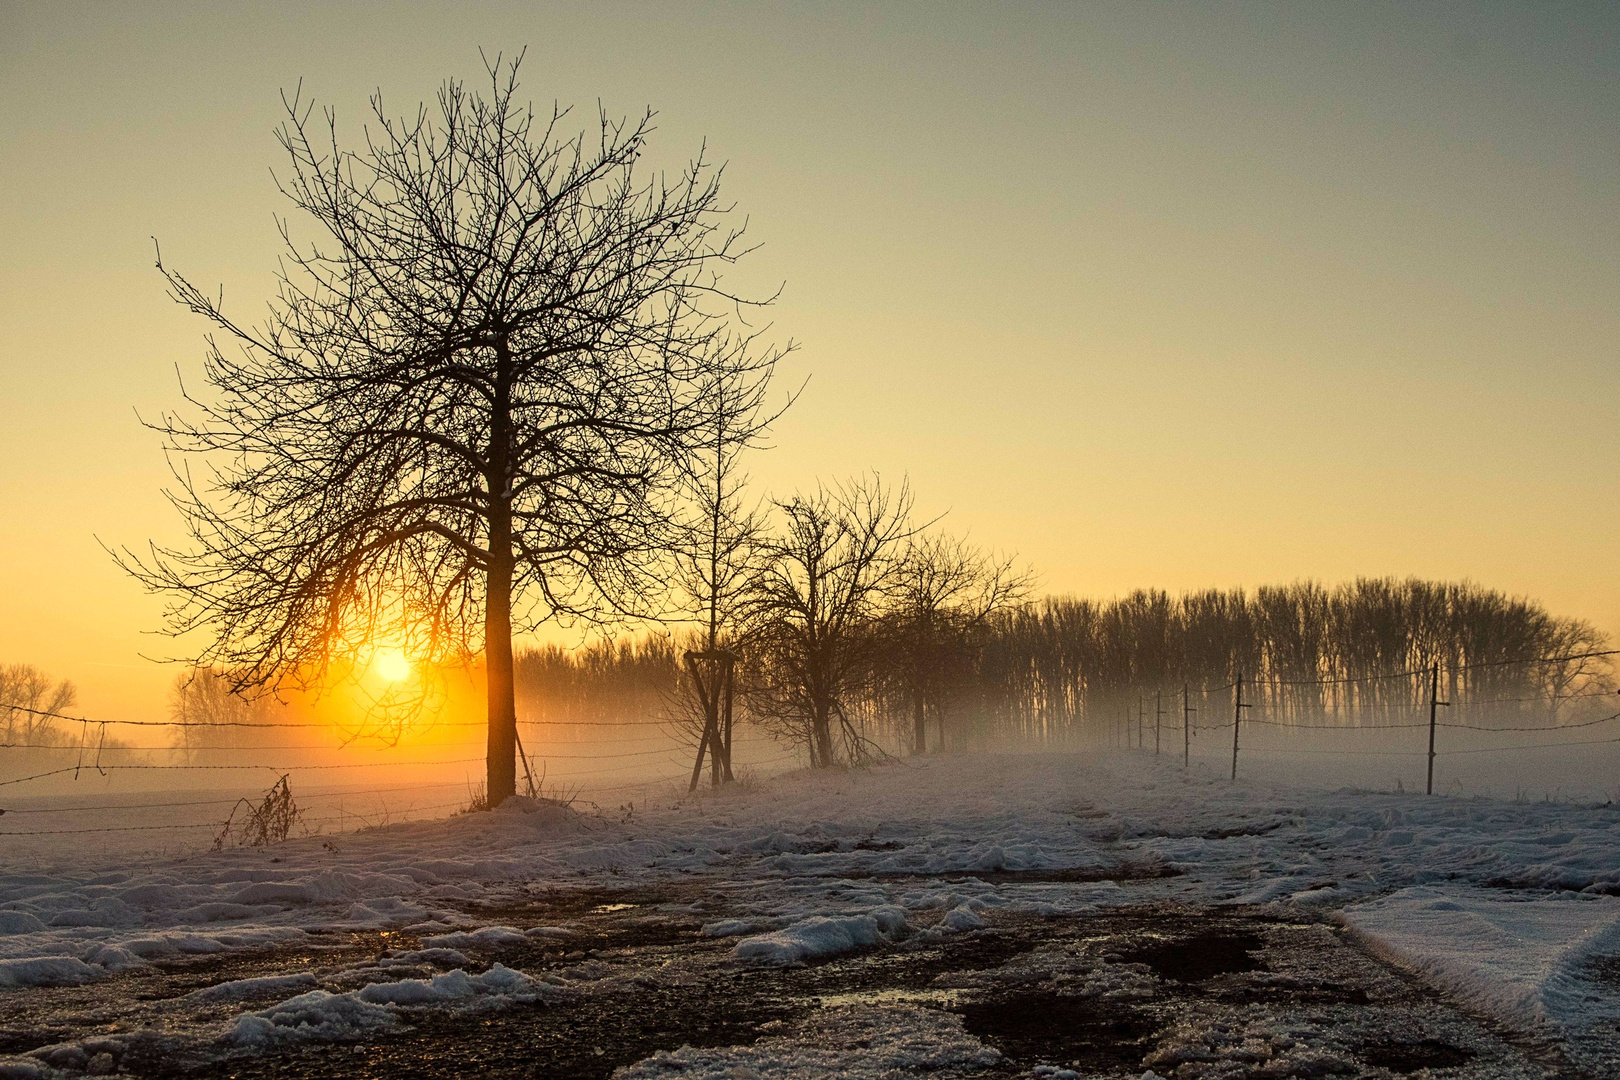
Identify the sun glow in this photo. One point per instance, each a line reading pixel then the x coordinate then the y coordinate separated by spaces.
pixel 390 665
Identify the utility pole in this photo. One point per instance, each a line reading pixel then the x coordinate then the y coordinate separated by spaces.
pixel 1186 726
pixel 1434 708
pixel 1158 719
pixel 1237 721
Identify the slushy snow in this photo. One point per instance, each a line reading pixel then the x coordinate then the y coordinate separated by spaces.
pixel 1503 902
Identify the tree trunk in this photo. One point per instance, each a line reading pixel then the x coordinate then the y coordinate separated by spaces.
pixel 731 675
pixel 919 722
pixel 501 764
pixel 498 671
pixel 821 736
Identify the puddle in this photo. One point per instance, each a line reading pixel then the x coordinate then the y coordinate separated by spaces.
pixel 1079 1031
pixel 603 909
pixel 1203 956
pixel 1404 1057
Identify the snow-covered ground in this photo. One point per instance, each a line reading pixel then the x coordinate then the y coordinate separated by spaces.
pixel 1507 904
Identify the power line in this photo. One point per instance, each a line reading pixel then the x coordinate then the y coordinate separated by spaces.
pixel 228 802
pixel 260 749
pixel 272 768
pixel 1356 753
pixel 1544 727
pixel 1539 660
pixel 204 824
pixel 1534 746
pixel 319 724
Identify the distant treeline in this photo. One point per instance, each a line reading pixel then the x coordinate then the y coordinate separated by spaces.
pixel 36 729
pixel 606 682
pixel 1357 653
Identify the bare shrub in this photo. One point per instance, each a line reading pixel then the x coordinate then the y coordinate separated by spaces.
pixel 268 823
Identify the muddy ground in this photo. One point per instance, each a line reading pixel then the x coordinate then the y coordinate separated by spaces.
pixel 1214 993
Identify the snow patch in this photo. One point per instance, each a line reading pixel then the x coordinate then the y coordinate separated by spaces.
pixel 21 1068
pixel 320 1016
pixel 317 1016
pixel 47 971
pixel 736 927
pixel 1520 957
pixel 457 985
pixel 19 922
pixel 240 989
pixel 822 936
pixel 853 1043
pixel 488 935
pixel 961 917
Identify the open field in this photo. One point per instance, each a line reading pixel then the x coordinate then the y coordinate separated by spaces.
pixel 1015 915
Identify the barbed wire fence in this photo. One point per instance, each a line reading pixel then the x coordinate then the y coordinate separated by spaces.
pixel 1266 706
pixel 1127 728
pixel 95 756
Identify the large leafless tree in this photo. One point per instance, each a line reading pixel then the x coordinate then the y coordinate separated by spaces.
pixel 473 402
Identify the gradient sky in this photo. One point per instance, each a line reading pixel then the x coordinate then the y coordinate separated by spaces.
pixel 1170 295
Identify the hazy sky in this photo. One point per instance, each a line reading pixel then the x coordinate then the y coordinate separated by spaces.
pixel 1171 295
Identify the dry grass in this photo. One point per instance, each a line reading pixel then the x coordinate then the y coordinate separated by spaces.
pixel 270 822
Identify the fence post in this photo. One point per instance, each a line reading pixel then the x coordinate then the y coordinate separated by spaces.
pixel 1237 721
pixel 1141 716
pixel 1186 726
pixel 1434 708
pixel 1158 718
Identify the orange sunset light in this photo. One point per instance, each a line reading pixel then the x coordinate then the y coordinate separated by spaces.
pixel 390 665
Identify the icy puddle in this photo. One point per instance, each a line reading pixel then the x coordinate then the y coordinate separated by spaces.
pixel 938 999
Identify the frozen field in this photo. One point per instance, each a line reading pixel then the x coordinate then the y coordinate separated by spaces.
pixel 195 962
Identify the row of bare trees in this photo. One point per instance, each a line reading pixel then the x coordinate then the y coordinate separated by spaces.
pixel 28 697
pixel 38 728
pixel 1357 653
pixel 840 612
pixel 929 642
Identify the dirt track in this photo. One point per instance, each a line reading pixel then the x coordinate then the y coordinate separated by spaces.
pixel 1213 993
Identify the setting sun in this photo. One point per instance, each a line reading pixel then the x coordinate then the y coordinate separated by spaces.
pixel 390 665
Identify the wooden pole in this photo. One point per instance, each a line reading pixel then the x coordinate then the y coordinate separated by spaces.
pixel 1237 721
pixel 534 792
pixel 1434 708
pixel 1158 719
pixel 1141 716
pixel 697 766
pixel 711 727
pixel 1186 726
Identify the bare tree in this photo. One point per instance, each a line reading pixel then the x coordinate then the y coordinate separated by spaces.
pixel 209 716
pixel 712 570
pixel 812 605
pixel 28 698
pixel 472 405
pixel 945 593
